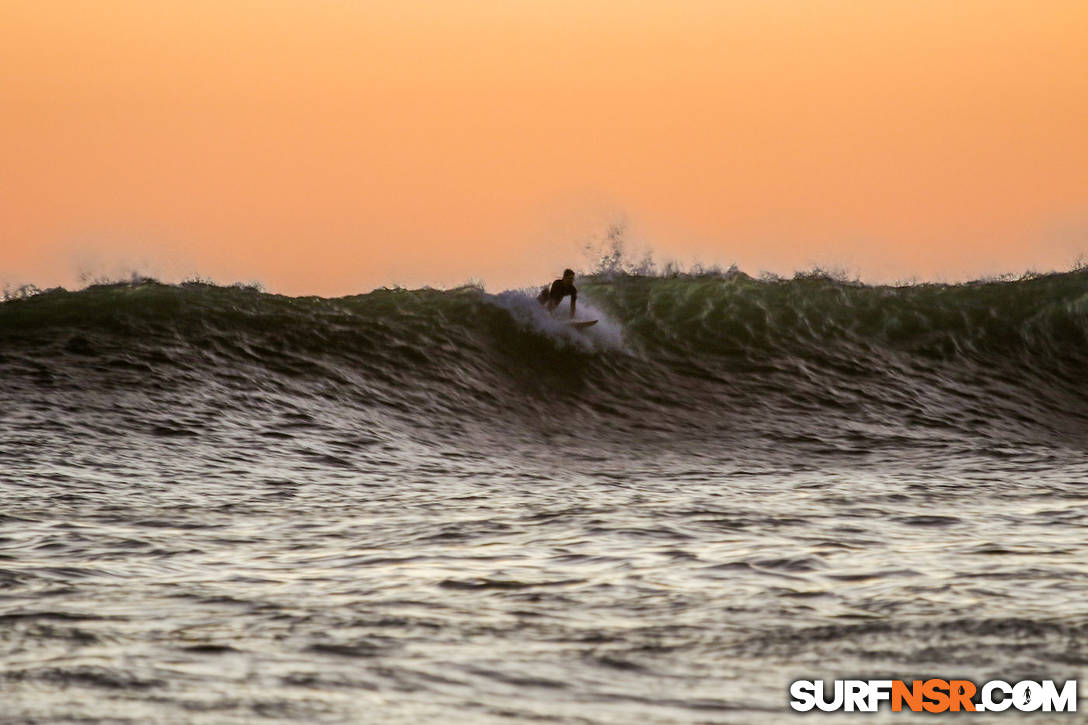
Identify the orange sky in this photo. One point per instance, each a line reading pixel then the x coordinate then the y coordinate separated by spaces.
pixel 330 146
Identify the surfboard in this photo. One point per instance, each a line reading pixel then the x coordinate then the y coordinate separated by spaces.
pixel 582 324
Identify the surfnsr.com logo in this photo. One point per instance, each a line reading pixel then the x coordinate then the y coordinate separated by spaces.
pixel 933 695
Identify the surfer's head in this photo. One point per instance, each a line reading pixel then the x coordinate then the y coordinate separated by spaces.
pixel 568 275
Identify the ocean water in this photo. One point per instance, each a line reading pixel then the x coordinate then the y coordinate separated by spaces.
pixel 224 506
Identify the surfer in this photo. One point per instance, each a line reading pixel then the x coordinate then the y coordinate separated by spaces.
pixel 551 297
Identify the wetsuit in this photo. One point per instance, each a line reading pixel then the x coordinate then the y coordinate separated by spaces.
pixel 551 298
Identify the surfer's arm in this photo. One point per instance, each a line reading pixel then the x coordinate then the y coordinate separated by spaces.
pixel 573 301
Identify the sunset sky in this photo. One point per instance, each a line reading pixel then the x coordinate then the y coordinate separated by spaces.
pixel 331 146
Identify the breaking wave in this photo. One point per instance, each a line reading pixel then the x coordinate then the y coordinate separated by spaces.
pixel 811 366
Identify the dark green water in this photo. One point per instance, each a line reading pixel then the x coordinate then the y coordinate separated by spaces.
pixel 221 505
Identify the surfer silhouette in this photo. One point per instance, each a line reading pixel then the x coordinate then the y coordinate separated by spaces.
pixel 551 297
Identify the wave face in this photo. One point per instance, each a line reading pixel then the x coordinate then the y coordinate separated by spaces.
pixel 811 366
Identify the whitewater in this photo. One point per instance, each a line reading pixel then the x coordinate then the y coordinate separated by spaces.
pixel 226 506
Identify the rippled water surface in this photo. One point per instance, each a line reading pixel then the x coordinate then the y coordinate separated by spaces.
pixel 224 506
